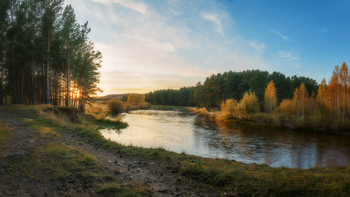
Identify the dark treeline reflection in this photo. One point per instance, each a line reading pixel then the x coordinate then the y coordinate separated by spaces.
pixel 184 132
pixel 274 146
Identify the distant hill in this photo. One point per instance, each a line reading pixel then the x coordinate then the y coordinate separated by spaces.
pixel 111 96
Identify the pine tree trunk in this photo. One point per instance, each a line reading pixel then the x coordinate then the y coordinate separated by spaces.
pixel 48 71
pixel 56 89
pixel 22 90
pixel 1 84
pixel 344 100
pixel 82 103
pixel 43 84
pixel 14 99
pixel 33 89
pixel 67 94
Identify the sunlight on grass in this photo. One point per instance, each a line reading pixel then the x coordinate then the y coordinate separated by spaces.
pixel 5 133
pixel 45 130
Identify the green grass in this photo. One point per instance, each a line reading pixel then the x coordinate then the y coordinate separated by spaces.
pixel 5 133
pixel 112 189
pixel 57 163
pixel 114 124
pixel 261 180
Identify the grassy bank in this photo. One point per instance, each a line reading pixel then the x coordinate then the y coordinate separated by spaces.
pixel 230 177
pixel 66 167
pixel 55 166
pixel 261 180
pixel 263 120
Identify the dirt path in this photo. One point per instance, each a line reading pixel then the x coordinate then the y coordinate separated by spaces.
pixel 160 178
pixel 22 143
pixel 23 140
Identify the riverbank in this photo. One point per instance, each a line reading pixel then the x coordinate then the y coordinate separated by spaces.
pixel 109 167
pixel 262 120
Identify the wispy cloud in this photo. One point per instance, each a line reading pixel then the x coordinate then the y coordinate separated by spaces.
pixel 136 6
pixel 284 37
pixel 214 18
pixel 288 55
pixel 257 46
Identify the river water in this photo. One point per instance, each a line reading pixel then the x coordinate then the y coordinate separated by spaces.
pixel 184 132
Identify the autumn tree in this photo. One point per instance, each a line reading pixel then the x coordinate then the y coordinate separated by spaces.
pixel 300 101
pixel 228 108
pixel 334 93
pixel 344 83
pixel 248 105
pixel 270 97
pixel 303 95
pixel 286 109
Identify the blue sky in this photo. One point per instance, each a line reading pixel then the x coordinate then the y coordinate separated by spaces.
pixel 157 44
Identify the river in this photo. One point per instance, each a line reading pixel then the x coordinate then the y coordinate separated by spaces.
pixel 184 132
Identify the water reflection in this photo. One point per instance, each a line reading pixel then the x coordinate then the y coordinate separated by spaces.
pixel 182 131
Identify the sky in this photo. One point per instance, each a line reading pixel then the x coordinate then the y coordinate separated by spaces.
pixel 160 44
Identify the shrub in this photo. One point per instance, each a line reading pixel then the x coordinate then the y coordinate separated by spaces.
pixel 200 111
pixel 228 109
pixel 115 106
pixel 135 99
pixel 143 105
pixel 127 106
pixel 248 105
pixel 285 111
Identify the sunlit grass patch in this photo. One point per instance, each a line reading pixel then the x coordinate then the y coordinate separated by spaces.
pixel 115 189
pixel 5 133
pixel 62 161
pixel 115 124
pixel 45 128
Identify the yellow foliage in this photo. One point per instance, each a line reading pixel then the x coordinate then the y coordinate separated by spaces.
pixel 228 109
pixel 286 108
pixel 270 97
pixel 248 105
pixel 200 111
pixel 135 99
pixel 300 101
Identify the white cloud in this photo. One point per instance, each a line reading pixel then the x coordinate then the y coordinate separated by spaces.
pixel 136 6
pixel 257 46
pixel 284 37
pixel 214 18
pixel 288 55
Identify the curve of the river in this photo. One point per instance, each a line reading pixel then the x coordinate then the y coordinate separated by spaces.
pixel 184 132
